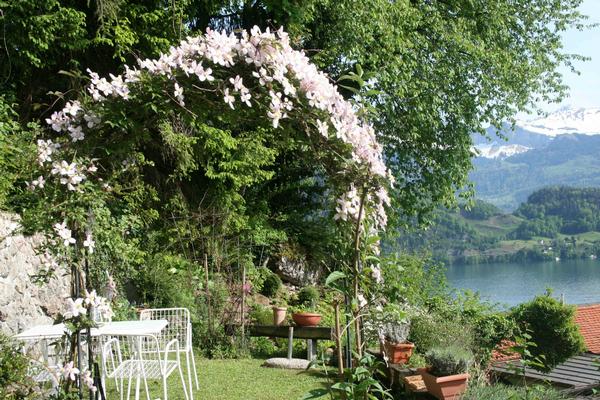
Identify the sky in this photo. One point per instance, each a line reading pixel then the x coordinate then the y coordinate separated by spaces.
pixel 584 88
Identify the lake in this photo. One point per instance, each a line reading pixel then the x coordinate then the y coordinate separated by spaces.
pixel 514 283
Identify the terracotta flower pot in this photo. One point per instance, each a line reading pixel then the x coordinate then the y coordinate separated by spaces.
pixel 279 315
pixel 306 319
pixel 445 387
pixel 398 353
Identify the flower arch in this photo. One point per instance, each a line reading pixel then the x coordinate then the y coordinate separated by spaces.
pixel 279 81
pixel 255 76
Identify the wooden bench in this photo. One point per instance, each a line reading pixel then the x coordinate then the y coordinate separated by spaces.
pixel 310 333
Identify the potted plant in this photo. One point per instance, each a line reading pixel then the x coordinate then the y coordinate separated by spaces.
pixel 392 327
pixel 446 376
pixel 303 314
pixel 279 313
pixel 396 346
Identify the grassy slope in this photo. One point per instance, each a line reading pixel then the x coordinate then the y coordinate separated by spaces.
pixel 501 225
pixel 243 379
pixel 496 225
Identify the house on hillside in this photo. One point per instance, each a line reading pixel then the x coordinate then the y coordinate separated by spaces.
pixel 579 372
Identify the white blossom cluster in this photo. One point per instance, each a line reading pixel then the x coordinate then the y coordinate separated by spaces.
pixel 71 174
pixel 287 75
pixel 45 149
pixel 78 307
pixel 70 372
pixel 65 235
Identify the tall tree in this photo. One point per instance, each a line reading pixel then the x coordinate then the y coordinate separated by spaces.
pixel 443 69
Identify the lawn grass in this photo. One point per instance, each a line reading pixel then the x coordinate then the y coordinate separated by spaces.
pixel 242 379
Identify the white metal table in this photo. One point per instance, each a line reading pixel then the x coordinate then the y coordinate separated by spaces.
pixel 43 334
pixel 135 328
pixel 130 328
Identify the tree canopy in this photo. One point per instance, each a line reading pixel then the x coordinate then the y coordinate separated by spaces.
pixel 437 71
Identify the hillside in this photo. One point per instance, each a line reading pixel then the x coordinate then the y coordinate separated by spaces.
pixel 555 222
pixel 560 149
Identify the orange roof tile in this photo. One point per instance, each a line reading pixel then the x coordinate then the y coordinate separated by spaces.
pixel 588 319
pixel 502 352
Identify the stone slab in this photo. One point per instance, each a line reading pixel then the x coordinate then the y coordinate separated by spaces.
pixel 286 363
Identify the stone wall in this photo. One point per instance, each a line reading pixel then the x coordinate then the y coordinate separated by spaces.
pixel 23 303
pixel 296 271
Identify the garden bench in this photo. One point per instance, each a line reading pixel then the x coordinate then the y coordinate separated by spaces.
pixel 310 333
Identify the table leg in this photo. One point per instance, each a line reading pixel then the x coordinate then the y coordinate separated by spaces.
pixel 44 344
pixel 311 349
pixel 137 381
pixel 290 342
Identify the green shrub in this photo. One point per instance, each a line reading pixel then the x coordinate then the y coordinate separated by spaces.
pixel 448 360
pixel 261 315
pixel 166 283
pixel 552 328
pixel 262 347
pixel 123 310
pixel 503 392
pixel 428 331
pixel 271 285
pixel 308 296
pixel 466 321
pixel 14 382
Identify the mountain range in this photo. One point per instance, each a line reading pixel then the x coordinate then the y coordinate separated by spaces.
pixel 562 148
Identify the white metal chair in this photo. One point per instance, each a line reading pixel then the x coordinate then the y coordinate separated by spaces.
pixel 46 355
pixel 140 357
pixel 179 327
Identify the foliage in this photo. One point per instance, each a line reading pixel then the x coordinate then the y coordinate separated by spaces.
pixel 490 326
pixel 417 79
pixel 271 285
pixel 412 279
pixel 561 209
pixel 15 144
pixel 396 333
pixel 552 328
pixel 212 316
pixel 479 210
pixel 522 347
pixel 416 360
pixel 448 360
pixel 123 310
pixel 309 296
pixel 181 179
pixel 503 392
pixel 15 383
pixel 465 321
pixel 261 315
pixel 433 329
pixel 361 382
pixel 387 322
pixel 164 284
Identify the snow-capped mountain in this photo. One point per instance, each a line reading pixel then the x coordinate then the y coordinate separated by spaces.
pixel 537 133
pixel 495 150
pixel 559 149
pixel 566 120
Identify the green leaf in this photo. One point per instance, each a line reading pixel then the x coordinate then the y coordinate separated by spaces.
pixel 359 70
pixel 333 277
